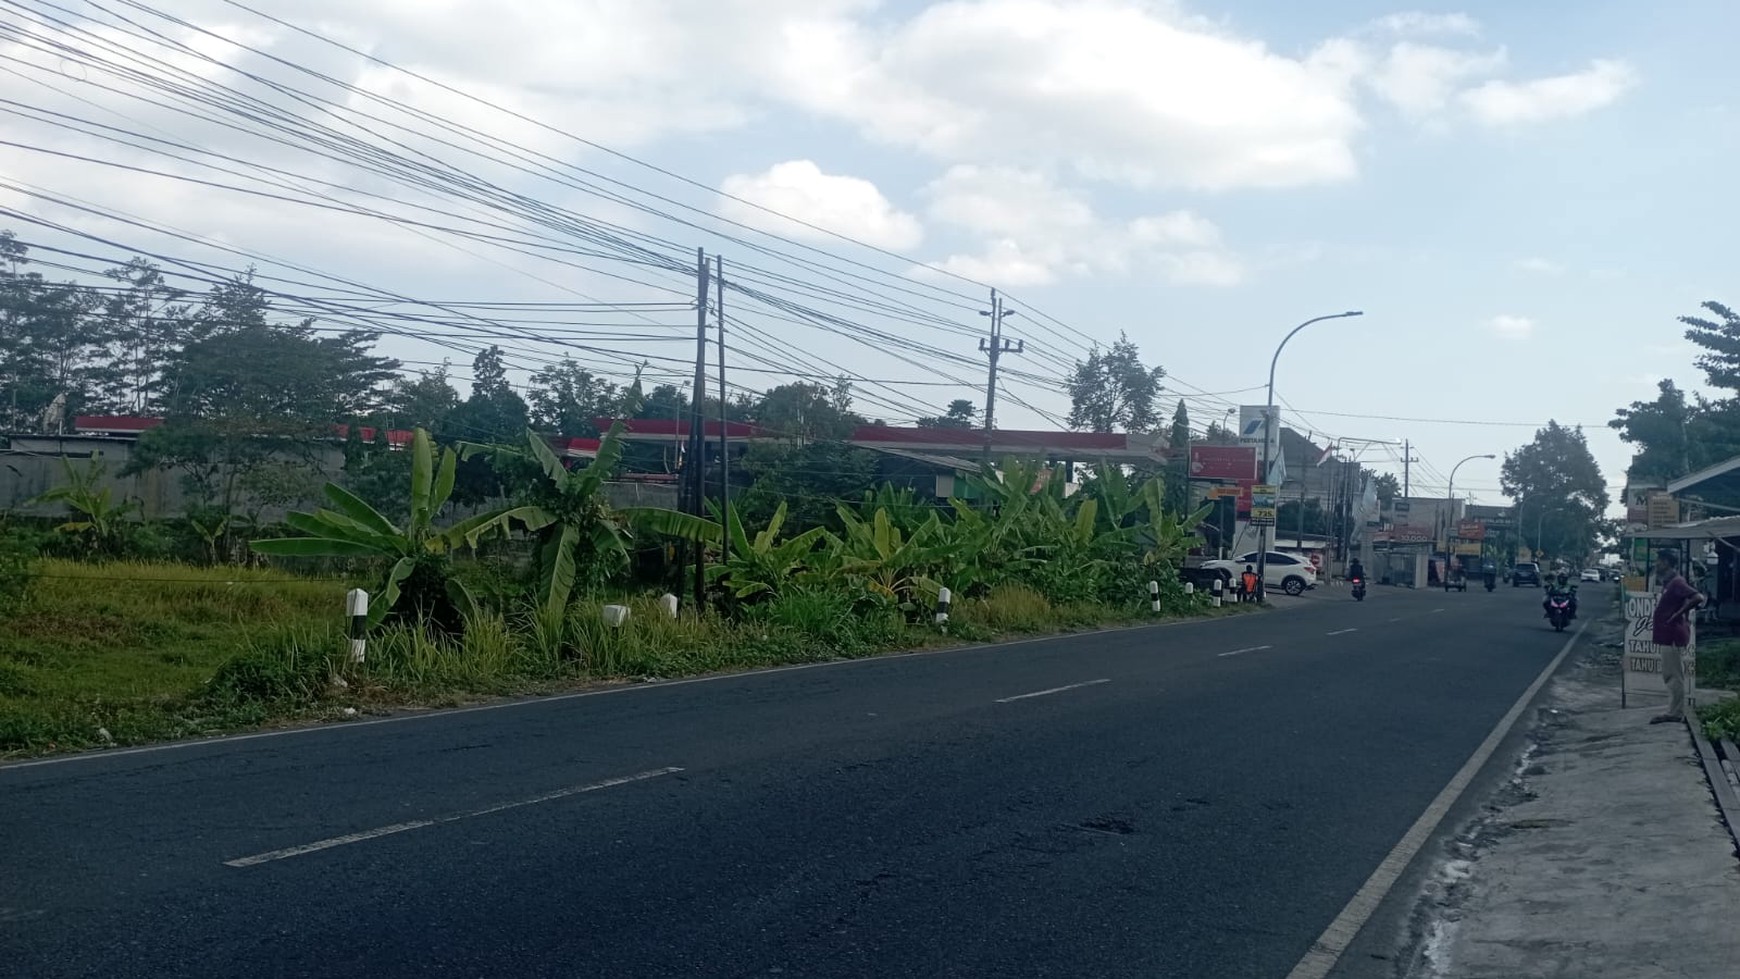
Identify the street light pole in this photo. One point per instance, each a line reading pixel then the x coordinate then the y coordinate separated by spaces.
pixel 1450 507
pixel 1269 431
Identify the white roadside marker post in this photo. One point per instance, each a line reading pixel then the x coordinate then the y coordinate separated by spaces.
pixel 943 597
pixel 1218 582
pixel 1154 595
pixel 615 616
pixel 356 605
pixel 669 603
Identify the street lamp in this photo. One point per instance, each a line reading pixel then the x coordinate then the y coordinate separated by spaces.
pixel 1450 507
pixel 1268 431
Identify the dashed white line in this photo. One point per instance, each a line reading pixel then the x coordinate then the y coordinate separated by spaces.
pixel 1396 619
pixel 1436 611
pixel 1340 632
pixel 380 831
pixel 1047 693
pixel 1247 649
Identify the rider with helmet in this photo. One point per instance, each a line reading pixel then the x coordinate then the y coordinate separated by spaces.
pixel 1560 584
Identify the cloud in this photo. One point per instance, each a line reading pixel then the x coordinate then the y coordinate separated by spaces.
pixel 1119 90
pixel 1415 23
pixel 1502 103
pixel 1034 232
pixel 798 189
pixel 1509 327
pixel 1538 266
pixel 1421 79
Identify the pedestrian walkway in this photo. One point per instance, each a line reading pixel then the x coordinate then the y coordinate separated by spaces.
pixel 1604 856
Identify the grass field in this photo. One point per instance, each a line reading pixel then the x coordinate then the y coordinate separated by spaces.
pixel 130 653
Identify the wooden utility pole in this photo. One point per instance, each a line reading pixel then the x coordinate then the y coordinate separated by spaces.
pixel 697 434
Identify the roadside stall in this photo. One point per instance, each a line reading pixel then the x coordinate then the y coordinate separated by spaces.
pixel 1707 549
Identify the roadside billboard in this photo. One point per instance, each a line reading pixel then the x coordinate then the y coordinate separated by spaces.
pixel 1471 530
pixel 1223 462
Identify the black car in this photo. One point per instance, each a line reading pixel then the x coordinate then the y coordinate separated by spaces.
pixel 1525 573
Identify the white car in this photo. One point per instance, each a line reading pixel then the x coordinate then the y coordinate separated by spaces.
pixel 1590 574
pixel 1288 572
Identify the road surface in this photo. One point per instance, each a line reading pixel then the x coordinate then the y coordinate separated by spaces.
pixel 1192 800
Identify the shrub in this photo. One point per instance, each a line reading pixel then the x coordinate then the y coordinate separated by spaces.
pixel 290 667
pixel 1721 719
pixel 1010 607
pixel 19 568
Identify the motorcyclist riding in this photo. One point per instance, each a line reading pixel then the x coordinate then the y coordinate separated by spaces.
pixel 1560 585
pixel 1355 570
pixel 1489 571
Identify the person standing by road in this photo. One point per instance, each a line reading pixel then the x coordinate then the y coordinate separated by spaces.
pixel 1671 631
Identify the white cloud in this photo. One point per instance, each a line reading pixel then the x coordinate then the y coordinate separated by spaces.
pixel 1502 103
pixel 1033 232
pixel 1509 327
pixel 798 189
pixel 1421 79
pixel 1539 266
pixel 1113 89
pixel 1415 23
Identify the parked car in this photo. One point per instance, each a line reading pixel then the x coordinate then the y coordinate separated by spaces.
pixel 1288 572
pixel 1590 574
pixel 1525 573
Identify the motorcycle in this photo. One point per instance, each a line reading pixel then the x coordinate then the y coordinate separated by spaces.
pixel 1491 582
pixel 1359 589
pixel 1559 612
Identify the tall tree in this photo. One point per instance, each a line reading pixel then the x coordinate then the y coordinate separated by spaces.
pixel 423 402
pixel 493 414
pixel 959 414
pixel 1388 487
pixel 147 322
pixel 567 399
pixel 808 411
pixel 1560 494
pixel 1178 466
pixel 1720 338
pixel 1114 390
pixel 54 360
pixel 1659 430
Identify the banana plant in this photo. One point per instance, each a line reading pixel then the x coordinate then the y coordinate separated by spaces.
pixel 576 530
pixel 1164 538
pixel 894 566
pixel 763 565
pixel 352 528
pixel 97 516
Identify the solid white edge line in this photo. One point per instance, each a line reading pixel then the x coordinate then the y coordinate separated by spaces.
pixel 1046 693
pixel 378 832
pixel 1247 649
pixel 1340 632
pixel 95 754
pixel 1327 950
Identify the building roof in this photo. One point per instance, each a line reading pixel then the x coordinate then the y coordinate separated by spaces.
pixel 1724 476
pixel 109 424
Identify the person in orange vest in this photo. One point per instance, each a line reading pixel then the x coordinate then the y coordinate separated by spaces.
pixel 1248 584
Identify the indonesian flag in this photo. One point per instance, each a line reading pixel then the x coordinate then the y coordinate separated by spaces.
pixel 1327 452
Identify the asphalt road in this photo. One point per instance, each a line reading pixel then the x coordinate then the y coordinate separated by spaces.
pixel 1193 800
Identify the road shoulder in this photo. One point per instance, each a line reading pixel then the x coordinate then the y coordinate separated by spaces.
pixel 1602 855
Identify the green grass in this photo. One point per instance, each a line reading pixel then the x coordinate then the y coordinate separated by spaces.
pixel 1719 664
pixel 124 646
pixel 151 652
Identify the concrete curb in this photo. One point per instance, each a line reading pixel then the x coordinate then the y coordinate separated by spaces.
pixel 1717 774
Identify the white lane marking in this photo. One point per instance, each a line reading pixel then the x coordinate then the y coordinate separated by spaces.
pixel 1436 611
pixel 224 739
pixel 370 834
pixel 1396 619
pixel 1247 649
pixel 1329 946
pixel 1046 693
pixel 1340 632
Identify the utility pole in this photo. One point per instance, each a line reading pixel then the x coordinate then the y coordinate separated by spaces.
pixel 724 448
pixel 1407 464
pixel 697 416
pixel 996 347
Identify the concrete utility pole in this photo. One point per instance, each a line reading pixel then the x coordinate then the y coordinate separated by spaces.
pixel 724 421
pixel 1407 462
pixel 697 423
pixel 996 347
